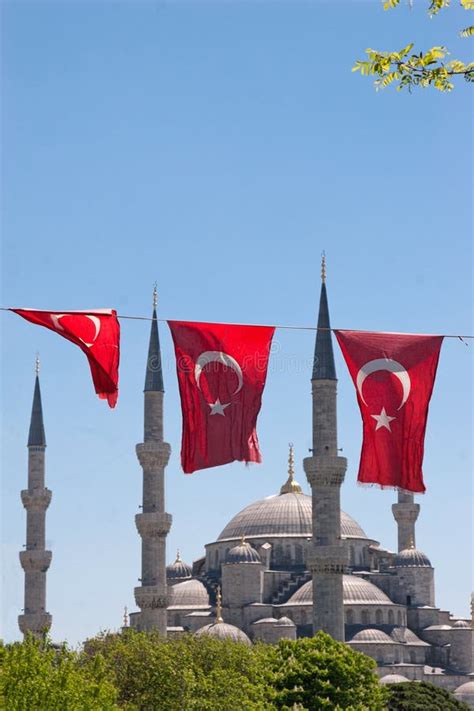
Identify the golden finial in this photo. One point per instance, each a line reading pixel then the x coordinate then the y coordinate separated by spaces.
pixel 219 605
pixel 291 486
pixel 155 295
pixel 242 539
pixel 412 543
pixel 178 556
pixel 37 364
pixel 125 616
pixel 323 266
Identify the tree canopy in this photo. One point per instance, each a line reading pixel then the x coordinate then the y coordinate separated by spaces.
pixel 407 69
pixel 417 696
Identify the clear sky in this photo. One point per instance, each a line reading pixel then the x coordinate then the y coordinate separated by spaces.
pixel 218 148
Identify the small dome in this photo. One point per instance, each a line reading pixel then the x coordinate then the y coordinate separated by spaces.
pixel 222 630
pixel 179 570
pixel 462 624
pixel 265 621
pixel 285 622
pixel 243 553
pixel 437 627
pixel 406 636
pixel 355 590
pixel 411 558
pixel 465 693
pixel 393 679
pixel 189 593
pixel 372 635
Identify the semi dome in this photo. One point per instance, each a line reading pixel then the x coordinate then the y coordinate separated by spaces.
pixel 372 635
pixel 355 591
pixel 286 514
pixel 222 630
pixel 243 553
pixel 465 693
pixel 411 558
pixel 462 624
pixel 404 635
pixel 189 593
pixel 178 570
pixel 393 679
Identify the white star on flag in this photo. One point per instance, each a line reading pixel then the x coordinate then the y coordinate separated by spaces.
pixel 383 420
pixel 217 408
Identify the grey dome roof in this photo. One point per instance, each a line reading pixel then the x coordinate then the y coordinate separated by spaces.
pixel 462 624
pixel 393 679
pixel 372 635
pixel 178 570
pixel 242 553
pixel 465 693
pixel 282 515
pixel 411 558
pixel 222 630
pixel 285 622
pixel 189 593
pixel 406 636
pixel 355 591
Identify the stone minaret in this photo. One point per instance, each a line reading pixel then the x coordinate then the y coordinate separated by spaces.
pixel 153 523
pixel 405 513
pixel 35 560
pixel 325 472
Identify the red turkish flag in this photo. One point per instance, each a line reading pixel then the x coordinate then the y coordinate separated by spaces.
pixel 97 333
pixel 221 374
pixel 394 375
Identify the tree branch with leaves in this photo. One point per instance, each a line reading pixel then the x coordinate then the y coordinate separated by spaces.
pixel 407 69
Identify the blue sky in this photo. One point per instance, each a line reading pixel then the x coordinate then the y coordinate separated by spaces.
pixel 218 148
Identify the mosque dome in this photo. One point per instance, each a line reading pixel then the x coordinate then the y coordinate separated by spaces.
pixel 178 570
pixel 355 591
pixel 462 624
pixel 411 558
pixel 393 679
pixel 285 622
pixel 189 593
pixel 243 553
pixel 465 693
pixel 286 514
pixel 372 635
pixel 222 630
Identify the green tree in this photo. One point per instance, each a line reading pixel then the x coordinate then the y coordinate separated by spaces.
pixel 320 673
pixel 418 696
pixel 36 676
pixel 407 69
pixel 202 674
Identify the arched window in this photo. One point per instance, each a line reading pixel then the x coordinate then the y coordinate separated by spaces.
pixel 399 617
pixel 351 555
pixel 349 617
pixel 298 554
pixel 365 617
pixel 391 618
pixel 412 657
pixel 216 558
pixel 378 617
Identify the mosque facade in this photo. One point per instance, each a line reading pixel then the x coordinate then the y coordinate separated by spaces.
pixel 285 566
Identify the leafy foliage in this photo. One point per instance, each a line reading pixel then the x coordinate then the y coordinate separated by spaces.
pixel 424 69
pixel 415 696
pixel 320 673
pixel 35 675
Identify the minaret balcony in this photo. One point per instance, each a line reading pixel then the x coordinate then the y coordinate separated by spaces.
pixel 33 561
pixel 405 512
pixel 325 470
pixel 37 623
pixel 36 499
pixel 153 455
pixel 151 597
pixel 153 525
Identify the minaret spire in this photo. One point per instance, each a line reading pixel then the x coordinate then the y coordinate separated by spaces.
pixel 291 486
pixel 325 472
pixel 35 559
pixel 153 523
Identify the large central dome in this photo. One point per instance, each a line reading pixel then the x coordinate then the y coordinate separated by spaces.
pixel 286 514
